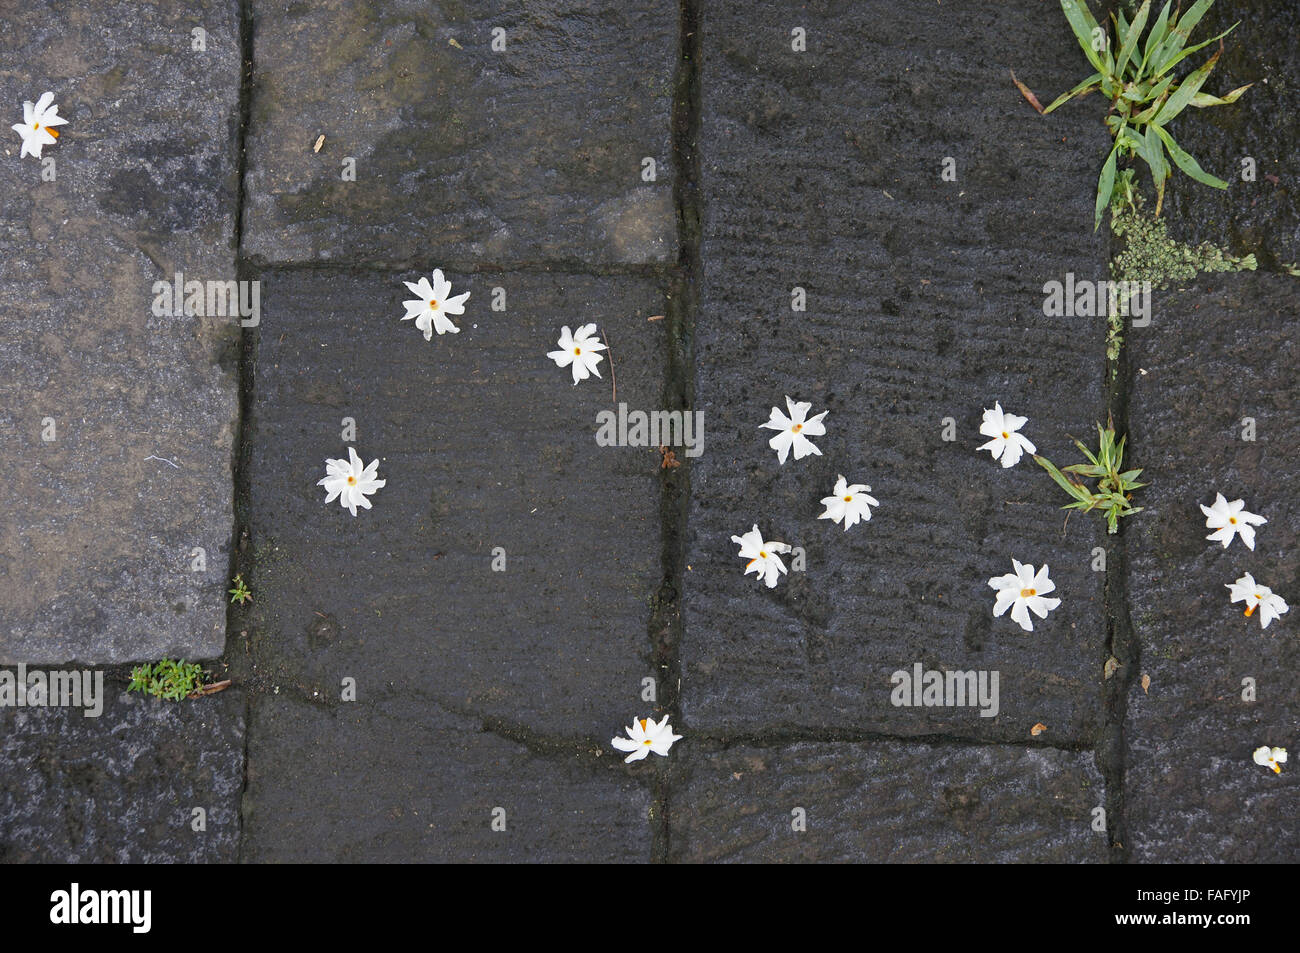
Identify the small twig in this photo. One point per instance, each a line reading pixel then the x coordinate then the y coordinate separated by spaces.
pixel 1027 93
pixel 660 317
pixel 613 381
pixel 163 460
pixel 211 689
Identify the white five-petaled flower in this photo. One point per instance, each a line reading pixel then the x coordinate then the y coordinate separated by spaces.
pixel 578 350
pixel 434 303
pixel 645 735
pixel 762 556
pixel 37 129
pixel 1006 445
pixel 1269 603
pixel 1022 591
pixel 1229 520
pixel 848 503
pixel 1270 758
pixel 350 481
pixel 795 430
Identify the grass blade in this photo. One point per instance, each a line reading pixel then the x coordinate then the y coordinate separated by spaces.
pixel 1185 162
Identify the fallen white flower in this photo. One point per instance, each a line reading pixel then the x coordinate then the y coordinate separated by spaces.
pixel 644 736
pixel 1022 591
pixel 579 350
pixel 350 481
pixel 1006 445
pixel 1269 603
pixel 434 303
pixel 1270 758
pixel 848 503
pixel 37 129
pixel 1229 520
pixel 795 430
pixel 762 556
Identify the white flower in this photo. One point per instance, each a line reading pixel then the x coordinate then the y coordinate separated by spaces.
pixel 848 503
pixel 1231 519
pixel 762 556
pixel 350 482
pixel 434 303
pixel 580 351
pixel 1006 443
pixel 644 736
pixel 1022 591
pixel 795 430
pixel 1271 758
pixel 37 129
pixel 1270 605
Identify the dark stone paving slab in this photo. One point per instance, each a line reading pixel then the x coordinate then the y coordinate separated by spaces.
pixel 531 153
pixel 489 451
pixel 123 420
pixel 888 803
pixel 1260 216
pixel 1212 358
pixel 122 787
pixel 396 779
pixel 924 302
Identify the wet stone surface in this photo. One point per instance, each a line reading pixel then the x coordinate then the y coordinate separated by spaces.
pixel 97 550
pixel 822 171
pixel 887 802
pixel 122 787
pixel 1212 358
pixel 1260 217
pixel 490 457
pixel 530 153
pixel 397 779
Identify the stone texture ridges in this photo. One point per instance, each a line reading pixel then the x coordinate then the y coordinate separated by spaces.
pixel 1212 357
pixel 887 803
pixel 822 170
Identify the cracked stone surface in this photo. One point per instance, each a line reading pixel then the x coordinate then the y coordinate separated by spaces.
pixel 887 803
pixel 485 445
pixel 1192 793
pixel 524 154
pixel 122 787
pixel 924 303
pixel 409 782
pixel 97 548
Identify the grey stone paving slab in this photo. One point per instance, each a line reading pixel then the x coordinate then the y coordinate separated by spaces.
pixel 888 803
pixel 1261 216
pixel 924 302
pixel 122 787
pixel 96 548
pixel 1211 358
pixel 399 780
pixel 534 152
pixel 484 443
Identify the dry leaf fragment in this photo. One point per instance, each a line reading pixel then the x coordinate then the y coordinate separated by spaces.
pixel 453 42
pixel 1027 93
pixel 1038 729
pixel 319 142
pixel 1111 667
pixel 1146 682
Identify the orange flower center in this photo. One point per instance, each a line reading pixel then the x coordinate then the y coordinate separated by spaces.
pixel 1026 593
pixel 1005 435
pixel 1232 520
pixel 796 428
pixel 577 350
pixel 848 499
pixel 433 304
pixel 352 481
